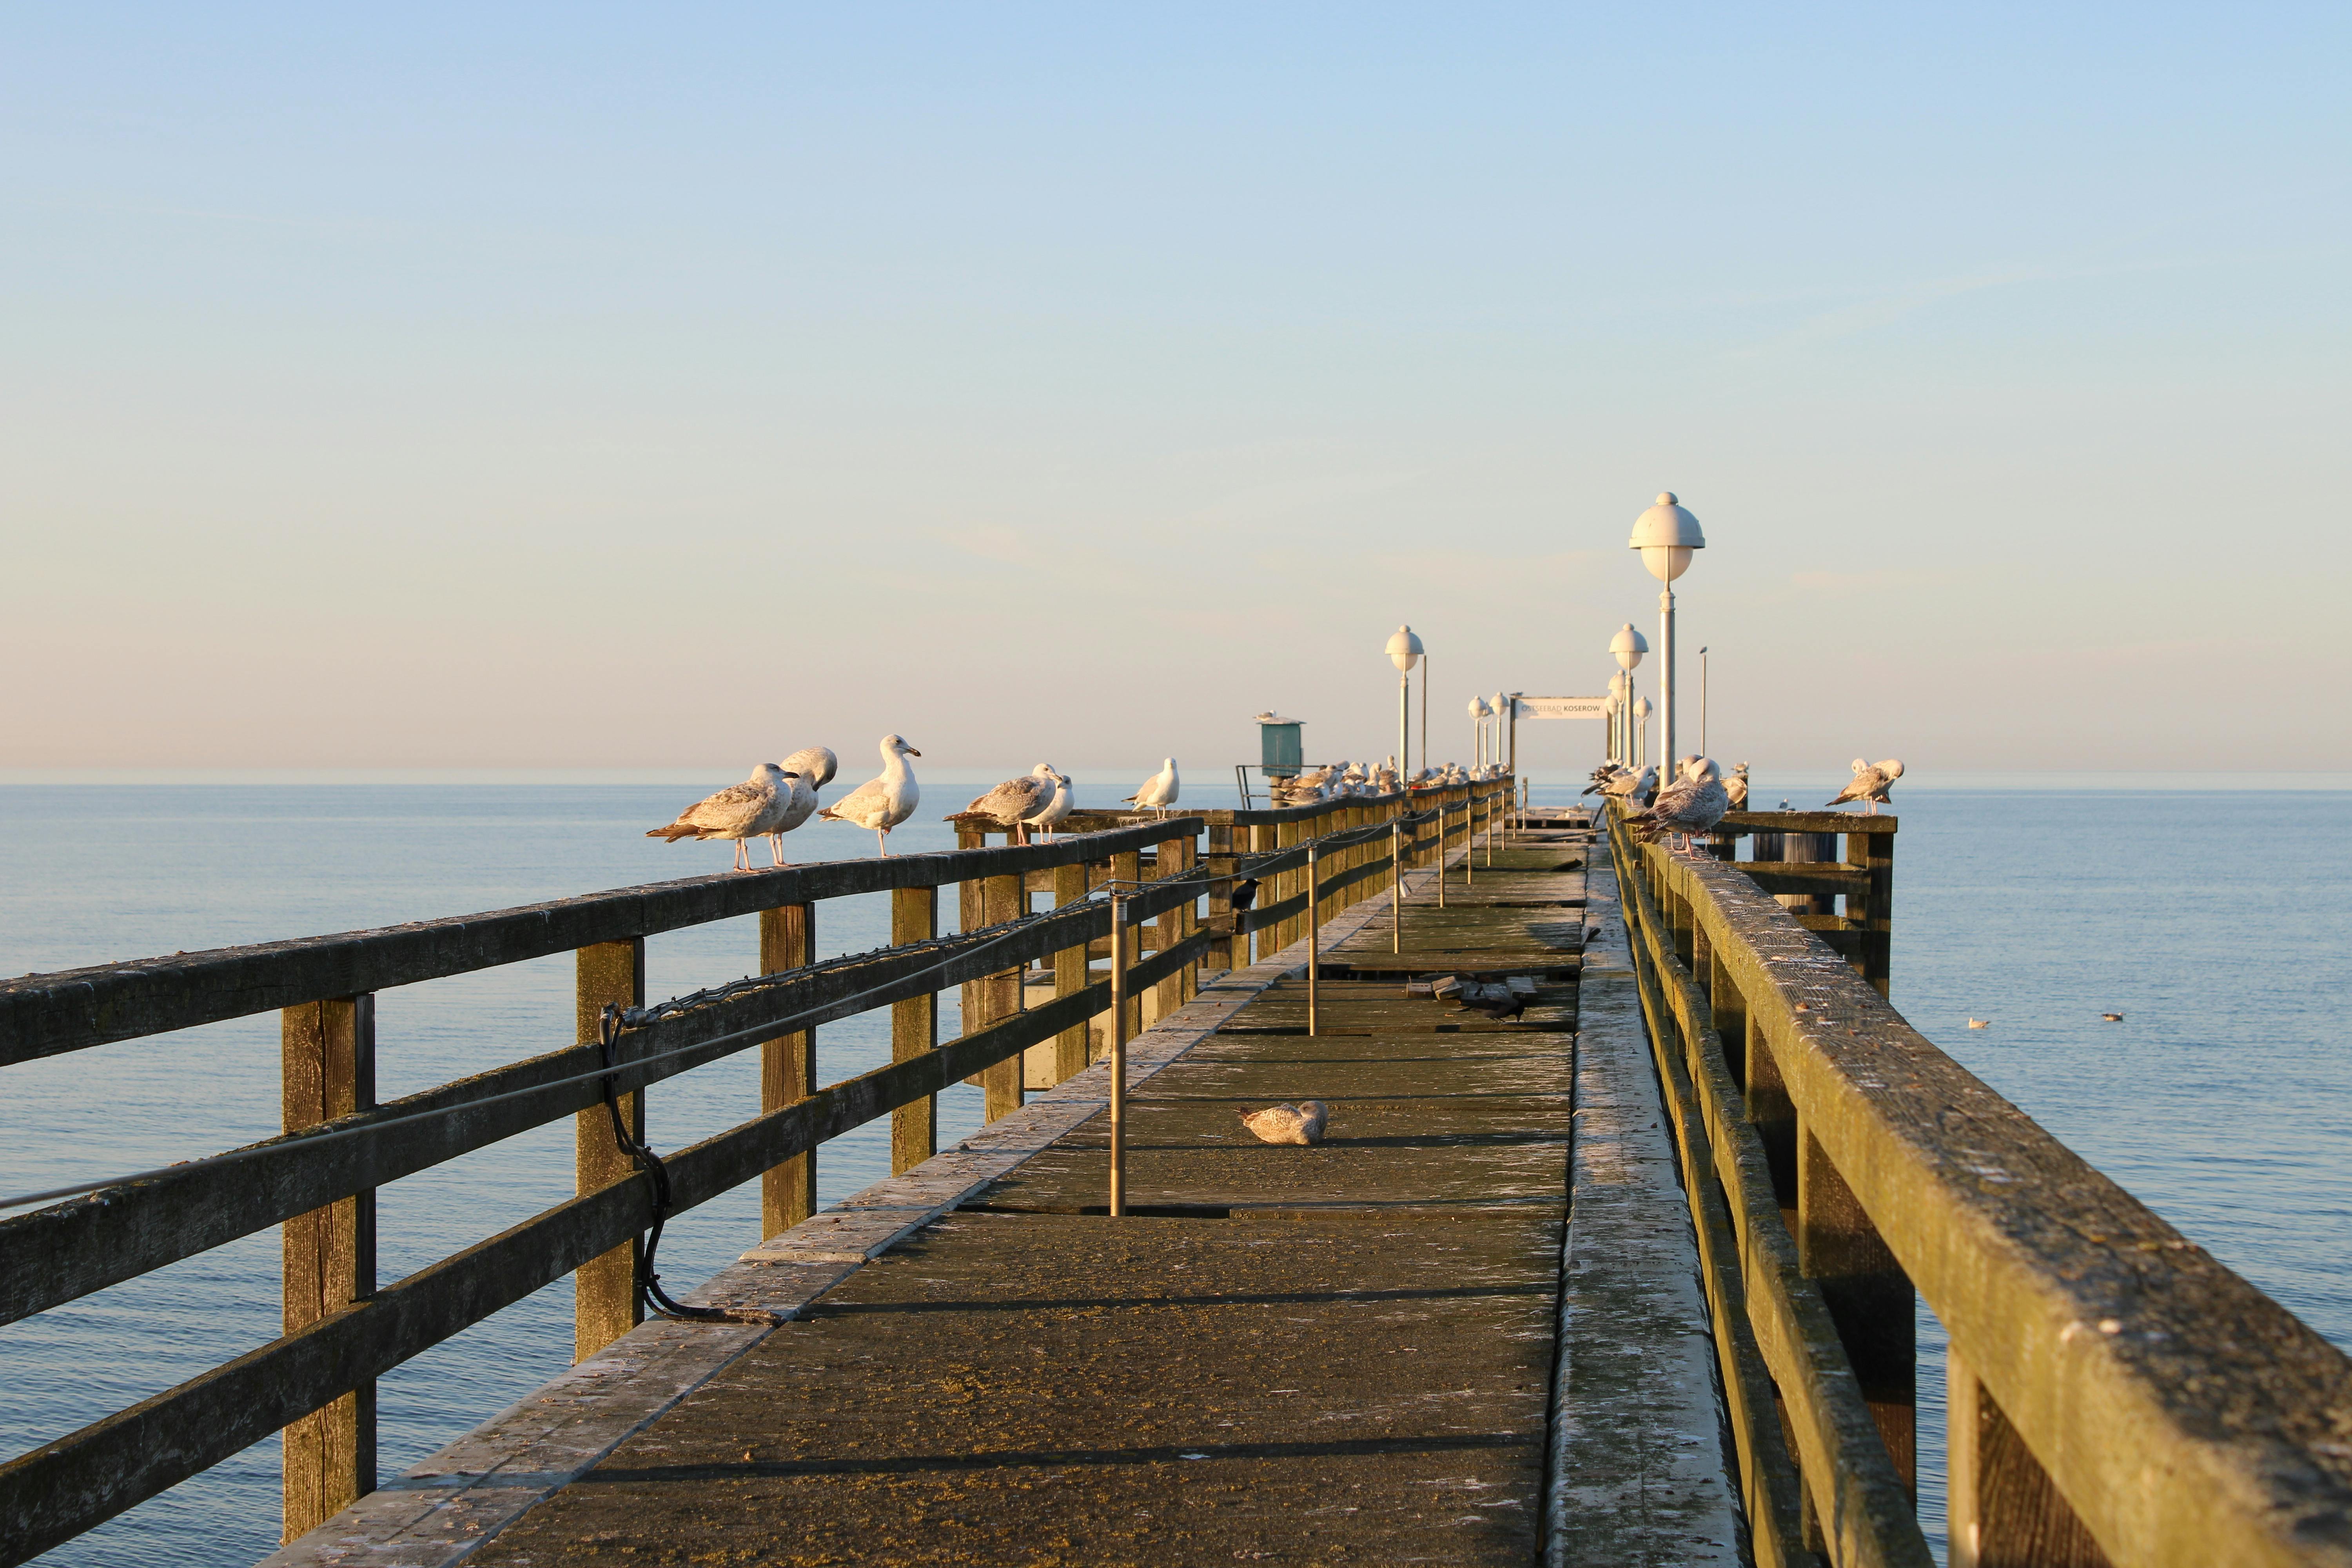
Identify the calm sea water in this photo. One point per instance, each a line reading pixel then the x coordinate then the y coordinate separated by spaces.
pixel 2215 922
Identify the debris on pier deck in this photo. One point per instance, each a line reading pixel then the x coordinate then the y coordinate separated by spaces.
pixel 1352 1352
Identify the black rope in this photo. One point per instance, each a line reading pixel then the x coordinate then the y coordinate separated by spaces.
pixel 647 1284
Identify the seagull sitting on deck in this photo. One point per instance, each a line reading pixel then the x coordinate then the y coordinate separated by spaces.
pixel 1871 783
pixel 1301 1124
pixel 881 803
pixel 1159 791
pixel 738 812
pixel 1014 802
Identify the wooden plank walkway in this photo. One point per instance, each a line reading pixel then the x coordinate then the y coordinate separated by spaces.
pixel 1350 1353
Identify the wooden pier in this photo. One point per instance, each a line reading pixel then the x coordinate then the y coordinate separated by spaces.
pixel 1627 1277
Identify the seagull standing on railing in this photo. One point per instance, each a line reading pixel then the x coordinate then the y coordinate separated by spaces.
pixel 1872 783
pixel 747 810
pixel 1159 791
pixel 1689 805
pixel 1057 805
pixel 881 803
pixel 1735 786
pixel 1014 802
pixel 815 765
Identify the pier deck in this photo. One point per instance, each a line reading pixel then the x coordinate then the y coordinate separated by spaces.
pixel 1286 1354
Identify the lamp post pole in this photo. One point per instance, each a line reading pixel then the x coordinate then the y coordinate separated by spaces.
pixel 1641 712
pixel 1666 534
pixel 1404 652
pixel 1627 648
pixel 1702 700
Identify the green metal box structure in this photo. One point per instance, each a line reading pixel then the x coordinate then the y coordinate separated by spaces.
pixel 1282 753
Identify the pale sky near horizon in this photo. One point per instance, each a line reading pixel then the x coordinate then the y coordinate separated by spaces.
pixel 438 387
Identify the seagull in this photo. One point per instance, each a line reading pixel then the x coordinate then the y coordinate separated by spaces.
pixel 2112 1017
pixel 1012 803
pixel 1633 789
pixel 1871 783
pixel 1603 776
pixel 1691 804
pixel 1501 1009
pixel 815 765
pixel 1735 786
pixel 1301 1124
pixel 881 803
pixel 1159 791
pixel 1057 805
pixel 738 812
pixel 1980 1023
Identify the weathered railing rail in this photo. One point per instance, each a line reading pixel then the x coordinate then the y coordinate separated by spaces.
pixel 2116 1395
pixel 343 1330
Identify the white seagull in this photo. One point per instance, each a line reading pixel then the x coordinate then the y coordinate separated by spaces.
pixel 738 812
pixel 1691 804
pixel 1057 806
pixel 1159 791
pixel 1735 786
pixel 882 804
pixel 1015 801
pixel 815 765
pixel 1871 783
pixel 1300 1125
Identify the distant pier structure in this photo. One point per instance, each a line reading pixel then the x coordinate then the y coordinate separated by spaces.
pixel 1610 1252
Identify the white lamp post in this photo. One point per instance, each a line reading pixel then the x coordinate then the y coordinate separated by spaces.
pixel 1627 647
pixel 1642 741
pixel 1499 705
pixel 1665 535
pixel 1404 652
pixel 1478 731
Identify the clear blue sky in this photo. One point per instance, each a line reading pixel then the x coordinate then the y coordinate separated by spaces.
pixel 542 386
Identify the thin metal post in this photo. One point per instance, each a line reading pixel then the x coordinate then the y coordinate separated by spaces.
pixel 1424 712
pixel 1396 887
pixel 1441 851
pixel 1314 937
pixel 1117 1054
pixel 1404 727
pixel 1470 837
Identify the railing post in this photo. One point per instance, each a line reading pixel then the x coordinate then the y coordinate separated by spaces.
pixel 1228 948
pixel 914 1029
pixel 787 1070
pixel 1868 1295
pixel 1873 853
pixel 327 1056
pixel 1169 993
pixel 1071 1046
pixel 2003 1509
pixel 605 1289
pixel 1003 899
pixel 1126 872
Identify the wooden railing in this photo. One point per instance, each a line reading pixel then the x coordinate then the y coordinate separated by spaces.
pixel 2116 1395
pixel 319 1180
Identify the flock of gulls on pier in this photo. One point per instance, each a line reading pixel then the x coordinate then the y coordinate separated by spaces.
pixel 780 796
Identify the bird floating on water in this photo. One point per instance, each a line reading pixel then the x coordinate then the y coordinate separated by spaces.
pixel 1980 1023
pixel 882 804
pixel 738 812
pixel 1159 791
pixel 2112 1017
pixel 1014 802
pixel 1300 1125
pixel 1872 782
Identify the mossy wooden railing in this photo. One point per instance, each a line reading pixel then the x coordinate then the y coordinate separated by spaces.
pixel 2116 1395
pixel 342 1330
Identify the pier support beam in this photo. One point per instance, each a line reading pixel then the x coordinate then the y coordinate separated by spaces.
pixel 787 1070
pixel 1002 899
pixel 1868 1295
pixel 2003 1509
pixel 914 1029
pixel 605 1289
pixel 328 1060
pixel 1070 1047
